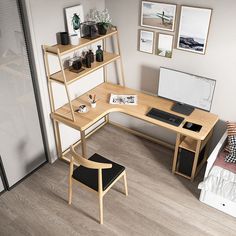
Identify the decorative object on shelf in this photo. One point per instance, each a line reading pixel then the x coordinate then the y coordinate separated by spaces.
pixel 88 60
pixel 89 30
pixel 146 39
pixel 91 55
pixel 74 39
pixel 64 38
pixel 158 15
pixel 102 18
pixel 193 29
pixel 74 18
pixel 77 65
pixel 99 54
pixel 92 100
pixel 164 45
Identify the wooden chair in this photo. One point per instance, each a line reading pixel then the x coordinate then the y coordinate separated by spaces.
pixel 97 173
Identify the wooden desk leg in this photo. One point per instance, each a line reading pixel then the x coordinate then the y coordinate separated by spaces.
pixel 196 156
pixel 83 142
pixel 176 153
pixel 57 138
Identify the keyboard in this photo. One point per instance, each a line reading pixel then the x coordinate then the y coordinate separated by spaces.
pixel 165 117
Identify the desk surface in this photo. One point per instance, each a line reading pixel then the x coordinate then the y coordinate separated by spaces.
pixel 145 102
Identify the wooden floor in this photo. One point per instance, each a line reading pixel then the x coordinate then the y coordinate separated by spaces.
pixel 159 203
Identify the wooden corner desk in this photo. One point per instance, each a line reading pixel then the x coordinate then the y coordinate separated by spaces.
pixel 189 140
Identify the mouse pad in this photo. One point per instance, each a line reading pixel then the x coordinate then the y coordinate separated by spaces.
pixel 192 126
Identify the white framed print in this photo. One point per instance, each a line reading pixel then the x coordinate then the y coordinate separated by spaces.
pixel 74 18
pixel 193 29
pixel 146 40
pixel 158 15
pixel 164 46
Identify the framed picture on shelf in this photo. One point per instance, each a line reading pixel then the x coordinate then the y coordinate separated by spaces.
pixel 74 18
pixel 164 46
pixel 158 15
pixel 193 29
pixel 146 39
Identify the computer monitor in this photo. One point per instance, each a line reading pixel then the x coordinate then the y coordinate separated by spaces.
pixel 187 90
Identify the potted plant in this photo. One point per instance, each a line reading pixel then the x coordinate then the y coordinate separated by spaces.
pixel 102 19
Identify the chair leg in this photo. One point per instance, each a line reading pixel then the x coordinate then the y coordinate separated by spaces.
pixel 101 209
pixel 70 191
pixel 125 184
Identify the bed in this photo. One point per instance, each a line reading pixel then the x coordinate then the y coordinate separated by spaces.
pixel 218 188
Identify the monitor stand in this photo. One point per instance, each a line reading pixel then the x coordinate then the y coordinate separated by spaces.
pixel 182 108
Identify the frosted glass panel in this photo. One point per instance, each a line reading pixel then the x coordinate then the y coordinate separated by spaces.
pixel 21 145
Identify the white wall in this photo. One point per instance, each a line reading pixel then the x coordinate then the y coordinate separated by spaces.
pixel 46 19
pixel 141 69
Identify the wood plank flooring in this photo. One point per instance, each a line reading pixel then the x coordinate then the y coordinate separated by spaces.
pixel 159 203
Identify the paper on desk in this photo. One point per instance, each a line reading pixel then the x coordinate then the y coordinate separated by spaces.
pixel 128 99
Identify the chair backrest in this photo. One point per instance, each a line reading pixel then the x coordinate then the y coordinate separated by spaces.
pixel 87 163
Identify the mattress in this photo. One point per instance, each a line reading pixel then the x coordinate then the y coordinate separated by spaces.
pixel 221 179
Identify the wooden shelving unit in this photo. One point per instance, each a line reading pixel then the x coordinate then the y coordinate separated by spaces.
pixel 73 76
pixel 66 77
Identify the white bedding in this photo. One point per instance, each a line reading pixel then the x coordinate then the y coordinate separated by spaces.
pixel 221 182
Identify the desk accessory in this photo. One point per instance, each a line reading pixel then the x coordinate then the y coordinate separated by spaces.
pixel 165 117
pixel 192 126
pixel 82 109
pixel 93 100
pixel 123 99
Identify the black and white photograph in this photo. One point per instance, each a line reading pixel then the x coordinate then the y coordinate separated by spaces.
pixel 146 39
pixel 193 29
pixel 158 15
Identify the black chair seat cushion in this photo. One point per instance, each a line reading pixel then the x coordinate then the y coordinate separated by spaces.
pixel 89 177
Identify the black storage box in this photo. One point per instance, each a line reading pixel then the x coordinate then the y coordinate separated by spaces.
pixel 185 161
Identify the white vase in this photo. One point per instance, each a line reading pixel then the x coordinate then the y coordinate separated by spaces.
pixel 74 39
pixel 93 104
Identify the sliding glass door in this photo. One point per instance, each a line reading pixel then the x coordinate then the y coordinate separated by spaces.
pixel 21 143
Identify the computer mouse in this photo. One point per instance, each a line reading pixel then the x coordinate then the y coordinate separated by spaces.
pixel 189 125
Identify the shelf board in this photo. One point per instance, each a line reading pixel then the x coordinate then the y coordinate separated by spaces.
pixel 63 49
pixel 73 76
pixel 189 144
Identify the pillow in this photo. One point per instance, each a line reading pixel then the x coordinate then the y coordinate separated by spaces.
pixel 231 147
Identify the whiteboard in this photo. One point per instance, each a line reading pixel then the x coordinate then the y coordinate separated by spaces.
pixel 185 88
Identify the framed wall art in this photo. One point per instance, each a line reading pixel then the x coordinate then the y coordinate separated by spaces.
pixel 158 15
pixel 146 39
pixel 164 46
pixel 74 18
pixel 193 29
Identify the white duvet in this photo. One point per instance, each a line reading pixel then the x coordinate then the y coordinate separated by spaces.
pixel 221 182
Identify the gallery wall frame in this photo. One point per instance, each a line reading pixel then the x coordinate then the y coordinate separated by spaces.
pixel 164 45
pixel 74 18
pixel 194 28
pixel 146 41
pixel 158 15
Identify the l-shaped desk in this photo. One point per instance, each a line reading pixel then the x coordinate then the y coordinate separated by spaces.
pixel 187 139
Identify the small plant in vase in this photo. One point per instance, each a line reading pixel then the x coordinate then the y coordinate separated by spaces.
pixel 102 19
